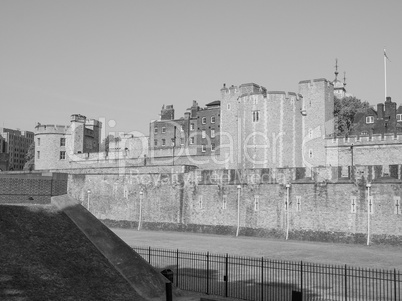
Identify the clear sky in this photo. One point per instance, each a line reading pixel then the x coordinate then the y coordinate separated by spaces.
pixel 122 60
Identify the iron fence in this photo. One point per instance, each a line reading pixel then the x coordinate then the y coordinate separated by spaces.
pixel 251 278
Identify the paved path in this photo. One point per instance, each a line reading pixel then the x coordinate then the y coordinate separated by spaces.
pixel 379 257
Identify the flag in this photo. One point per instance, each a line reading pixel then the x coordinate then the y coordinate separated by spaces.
pixel 385 55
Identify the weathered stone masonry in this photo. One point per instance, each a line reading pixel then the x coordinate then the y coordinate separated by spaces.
pixel 332 209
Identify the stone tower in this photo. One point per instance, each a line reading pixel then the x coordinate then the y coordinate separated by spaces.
pixel 318 119
pixel 77 133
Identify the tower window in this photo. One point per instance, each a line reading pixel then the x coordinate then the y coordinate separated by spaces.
pixel 213 118
pixel 203 134
pixel 192 140
pixel 204 120
pixel 203 148
pixel 212 147
pixel 38 141
pixel 62 141
pixel 310 153
pixel 163 130
pixel 192 126
pixel 399 117
pixel 38 154
pixel 212 133
pixel 155 130
pixel 163 142
pixel 62 155
pixel 224 201
pixel 370 119
pixel 155 142
pixel 256 116
pixel 228 106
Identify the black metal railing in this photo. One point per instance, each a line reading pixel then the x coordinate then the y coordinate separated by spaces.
pixel 251 278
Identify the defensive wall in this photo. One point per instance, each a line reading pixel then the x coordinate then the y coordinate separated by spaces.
pixel 329 206
pixel 32 188
pixel 366 149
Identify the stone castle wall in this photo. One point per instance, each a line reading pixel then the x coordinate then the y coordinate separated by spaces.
pixel 206 201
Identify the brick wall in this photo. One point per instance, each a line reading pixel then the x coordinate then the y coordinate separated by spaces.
pixel 206 201
pixel 33 188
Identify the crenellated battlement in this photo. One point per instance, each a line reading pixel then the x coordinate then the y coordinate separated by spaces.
pixel 52 129
pixel 375 139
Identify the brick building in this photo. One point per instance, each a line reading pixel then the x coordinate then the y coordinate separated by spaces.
pixel 196 133
pixel 15 143
pixel 386 119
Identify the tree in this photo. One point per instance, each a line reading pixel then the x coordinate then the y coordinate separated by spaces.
pixel 345 110
pixel 30 158
pixel 104 147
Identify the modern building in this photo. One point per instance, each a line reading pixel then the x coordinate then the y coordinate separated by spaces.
pixel 15 143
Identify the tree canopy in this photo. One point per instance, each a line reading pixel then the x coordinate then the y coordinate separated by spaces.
pixel 30 158
pixel 105 143
pixel 345 110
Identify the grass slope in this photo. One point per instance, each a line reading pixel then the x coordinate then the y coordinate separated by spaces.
pixel 43 256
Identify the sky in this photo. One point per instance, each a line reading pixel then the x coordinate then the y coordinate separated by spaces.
pixel 121 61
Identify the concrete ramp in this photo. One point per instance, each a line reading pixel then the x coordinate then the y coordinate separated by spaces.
pixel 145 280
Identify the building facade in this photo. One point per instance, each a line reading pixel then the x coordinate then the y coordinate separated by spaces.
pixel 15 143
pixel 56 145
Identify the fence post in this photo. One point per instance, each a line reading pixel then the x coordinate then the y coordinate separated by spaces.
pixel 177 269
pixel 262 278
pixel 207 273
pixel 225 278
pixel 301 278
pixel 149 255
pixel 346 284
pixel 395 283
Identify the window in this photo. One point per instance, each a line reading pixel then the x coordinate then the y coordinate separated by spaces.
pixel 200 201
pixel 212 133
pixel 371 204
pixel 212 147
pixel 370 119
pixel 38 154
pixel 192 126
pixel 192 139
pixel 398 208
pixel 224 201
pixel 228 106
pixel 182 128
pixel 310 153
pixel 204 120
pixel 62 141
pixel 155 130
pixel 203 148
pixel 155 142
pixel 310 133
pixel 256 116
pixel 353 204
pixel 298 203
pixel 38 142
pixel 213 118
pixel 203 134
pixel 62 155
pixel 181 141
pixel 125 192
pixel 256 202
pixel 163 130
pixel 399 117
pixel 173 142
pixel 163 142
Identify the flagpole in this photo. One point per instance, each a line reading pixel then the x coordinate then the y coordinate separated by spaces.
pixel 385 74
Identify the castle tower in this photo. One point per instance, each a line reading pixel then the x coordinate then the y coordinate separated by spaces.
pixel 339 87
pixel 318 119
pixel 77 133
